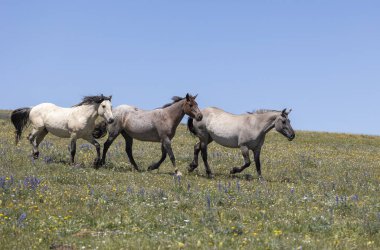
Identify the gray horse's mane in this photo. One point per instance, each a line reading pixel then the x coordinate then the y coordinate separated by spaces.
pixel 262 111
pixel 94 99
pixel 175 99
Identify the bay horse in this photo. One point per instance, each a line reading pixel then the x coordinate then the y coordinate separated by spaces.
pixel 158 125
pixel 74 123
pixel 246 131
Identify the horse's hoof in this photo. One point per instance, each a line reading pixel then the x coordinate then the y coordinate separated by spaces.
pixel 178 173
pixel 261 179
pixel 152 167
pixel 210 175
pixel 36 155
pixel 97 163
pixel 234 170
pixel 192 167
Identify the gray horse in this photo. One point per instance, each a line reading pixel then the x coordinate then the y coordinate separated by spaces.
pixel 158 125
pixel 246 132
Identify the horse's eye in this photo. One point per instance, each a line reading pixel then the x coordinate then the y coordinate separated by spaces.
pixel 191 105
pixel 104 106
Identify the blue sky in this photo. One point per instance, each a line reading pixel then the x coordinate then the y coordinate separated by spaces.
pixel 320 58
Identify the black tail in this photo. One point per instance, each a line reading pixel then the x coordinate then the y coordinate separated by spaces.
pixel 190 126
pixel 100 130
pixel 20 119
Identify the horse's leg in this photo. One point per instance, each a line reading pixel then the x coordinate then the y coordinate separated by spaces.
pixel 40 136
pixel 203 146
pixel 256 154
pixel 247 161
pixel 73 147
pixel 35 138
pixel 194 164
pixel 128 149
pixel 31 138
pixel 167 144
pixel 97 147
pixel 163 157
pixel 112 135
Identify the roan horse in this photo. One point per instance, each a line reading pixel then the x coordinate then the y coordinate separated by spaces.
pixel 158 125
pixel 75 122
pixel 246 132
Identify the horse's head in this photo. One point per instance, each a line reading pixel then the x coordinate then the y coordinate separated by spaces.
pixel 105 109
pixel 282 125
pixel 190 107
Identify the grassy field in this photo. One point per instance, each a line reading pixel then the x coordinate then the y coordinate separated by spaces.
pixel 321 191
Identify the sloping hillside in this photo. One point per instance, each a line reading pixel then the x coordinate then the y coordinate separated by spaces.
pixel 321 191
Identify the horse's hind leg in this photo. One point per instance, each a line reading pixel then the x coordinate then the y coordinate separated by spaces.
pixel 194 164
pixel 163 157
pixel 168 147
pixel 35 138
pixel 128 149
pixel 247 161
pixel 203 146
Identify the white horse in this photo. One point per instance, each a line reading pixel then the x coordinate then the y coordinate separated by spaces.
pixel 74 123
pixel 246 132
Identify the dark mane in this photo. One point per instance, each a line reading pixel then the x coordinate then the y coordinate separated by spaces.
pixel 262 111
pixel 95 99
pixel 175 99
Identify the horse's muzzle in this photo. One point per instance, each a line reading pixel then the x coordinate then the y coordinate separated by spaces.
pixel 111 120
pixel 290 138
pixel 199 117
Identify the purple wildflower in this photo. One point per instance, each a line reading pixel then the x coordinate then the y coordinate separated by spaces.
pixel 21 219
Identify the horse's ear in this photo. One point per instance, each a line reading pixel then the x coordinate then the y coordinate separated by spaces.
pixel 110 97
pixel 195 96
pixel 283 113
pixel 290 110
pixel 187 97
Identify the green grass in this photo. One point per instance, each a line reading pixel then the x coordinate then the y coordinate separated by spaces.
pixel 321 191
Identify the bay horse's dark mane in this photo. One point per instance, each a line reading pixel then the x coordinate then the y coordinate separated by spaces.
pixel 175 99
pixel 95 99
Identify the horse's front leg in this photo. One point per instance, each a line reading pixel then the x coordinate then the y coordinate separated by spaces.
pixel 194 164
pixel 203 146
pixel 256 153
pixel 247 161
pixel 112 135
pixel 73 147
pixel 163 157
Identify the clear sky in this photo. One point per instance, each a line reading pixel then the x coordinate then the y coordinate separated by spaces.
pixel 321 58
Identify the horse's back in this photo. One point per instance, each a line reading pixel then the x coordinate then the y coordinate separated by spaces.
pixel 138 123
pixel 223 127
pixel 51 117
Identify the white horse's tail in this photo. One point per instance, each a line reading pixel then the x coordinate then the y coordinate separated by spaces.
pixel 20 119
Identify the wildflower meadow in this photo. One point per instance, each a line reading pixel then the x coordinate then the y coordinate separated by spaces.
pixel 321 191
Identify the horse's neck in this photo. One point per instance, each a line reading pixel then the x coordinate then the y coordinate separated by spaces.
pixel 90 111
pixel 176 112
pixel 267 121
